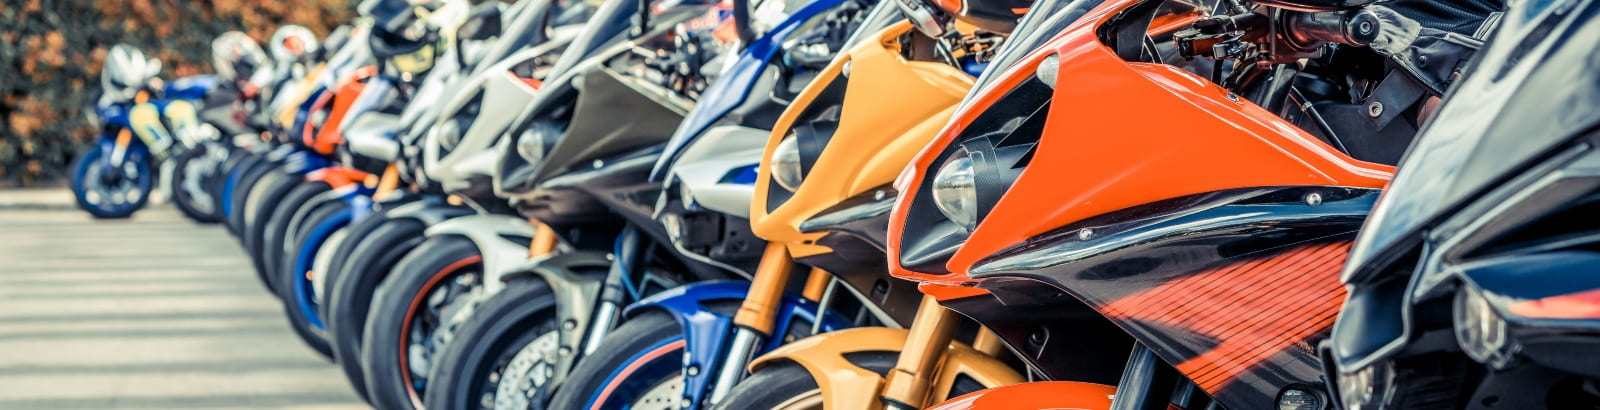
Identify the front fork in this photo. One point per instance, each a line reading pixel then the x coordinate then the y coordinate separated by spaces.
pixel 908 384
pixel 614 291
pixel 754 321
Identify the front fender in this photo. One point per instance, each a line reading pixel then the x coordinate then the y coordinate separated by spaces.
pixel 575 279
pixel 848 386
pixel 502 239
pixel 1036 395
pixel 706 332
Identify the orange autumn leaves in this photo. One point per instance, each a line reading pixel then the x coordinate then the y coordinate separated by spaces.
pixel 51 52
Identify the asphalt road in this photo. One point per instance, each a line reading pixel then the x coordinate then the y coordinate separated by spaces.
pixel 155 312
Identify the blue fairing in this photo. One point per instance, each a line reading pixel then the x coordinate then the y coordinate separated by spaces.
pixel 194 87
pixel 730 89
pixel 113 115
pixel 706 332
pixel 303 114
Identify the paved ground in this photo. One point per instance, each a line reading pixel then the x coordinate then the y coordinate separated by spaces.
pixel 150 313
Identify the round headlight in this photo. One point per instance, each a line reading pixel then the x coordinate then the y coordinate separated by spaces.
pixel 955 190
pixel 530 145
pixel 535 142
pixel 786 164
pixel 449 134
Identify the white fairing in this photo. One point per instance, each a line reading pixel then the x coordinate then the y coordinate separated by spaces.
pixel 698 173
pixel 504 97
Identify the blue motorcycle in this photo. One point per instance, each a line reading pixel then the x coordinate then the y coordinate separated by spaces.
pixel 113 179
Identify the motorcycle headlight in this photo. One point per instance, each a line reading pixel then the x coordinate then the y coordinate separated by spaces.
pixel 786 164
pixel 449 134
pixel 955 190
pixel 531 145
pixel 1480 331
pixel 1365 388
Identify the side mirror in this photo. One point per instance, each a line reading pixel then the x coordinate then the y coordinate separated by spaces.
pixel 482 24
pixel 152 68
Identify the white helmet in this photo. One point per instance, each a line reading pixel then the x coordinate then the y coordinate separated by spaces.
pixel 126 69
pixel 292 42
pixel 234 56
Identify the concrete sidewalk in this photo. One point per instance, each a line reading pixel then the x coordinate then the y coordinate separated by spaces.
pixel 57 198
pixel 151 312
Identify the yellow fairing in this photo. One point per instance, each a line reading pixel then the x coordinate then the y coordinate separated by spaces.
pixel 848 386
pixel 286 117
pixel 892 107
pixel 145 120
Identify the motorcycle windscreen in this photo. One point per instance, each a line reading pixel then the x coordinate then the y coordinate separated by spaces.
pixel 611 117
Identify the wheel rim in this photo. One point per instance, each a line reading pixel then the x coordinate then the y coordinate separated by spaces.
pixel 116 191
pixel 517 381
pixel 664 395
pixel 425 330
pixel 194 186
pixel 661 363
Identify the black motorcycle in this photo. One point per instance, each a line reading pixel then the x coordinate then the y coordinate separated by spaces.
pixel 1473 284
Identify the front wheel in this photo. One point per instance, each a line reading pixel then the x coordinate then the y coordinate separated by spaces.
pixel 638 366
pixel 504 357
pixel 193 174
pixel 789 386
pixel 410 320
pixel 107 191
pixel 300 301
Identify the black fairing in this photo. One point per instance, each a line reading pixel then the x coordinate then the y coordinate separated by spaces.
pixel 1000 142
pixel 856 232
pixel 1497 196
pixel 1193 276
pixel 813 128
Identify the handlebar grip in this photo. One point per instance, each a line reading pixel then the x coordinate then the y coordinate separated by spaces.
pixel 1353 28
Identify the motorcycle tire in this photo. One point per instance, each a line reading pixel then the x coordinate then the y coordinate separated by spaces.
pixel 351 289
pixel 277 230
pixel 409 307
pixel 505 356
pixel 200 205
pixel 294 287
pixel 787 385
pixel 639 364
pixel 224 172
pixel 252 172
pixel 264 197
pixel 81 173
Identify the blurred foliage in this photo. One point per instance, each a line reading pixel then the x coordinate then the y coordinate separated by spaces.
pixel 51 52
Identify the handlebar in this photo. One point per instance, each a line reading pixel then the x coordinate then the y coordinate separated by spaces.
pixel 1353 28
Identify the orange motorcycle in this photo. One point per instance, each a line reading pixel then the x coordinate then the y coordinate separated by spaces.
pixel 1168 177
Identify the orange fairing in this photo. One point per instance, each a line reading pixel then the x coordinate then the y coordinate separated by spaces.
pixel 1036 395
pixel 944 292
pixel 338 177
pixel 1120 134
pixel 324 140
pixel 887 116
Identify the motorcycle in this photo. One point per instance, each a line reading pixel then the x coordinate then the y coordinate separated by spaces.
pixel 841 138
pixel 114 177
pixel 1207 241
pixel 1469 286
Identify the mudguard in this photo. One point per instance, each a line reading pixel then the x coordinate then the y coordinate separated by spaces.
pixel 848 386
pixel 1036 395
pixel 496 237
pixel 706 332
pixel 575 279
pixel 430 210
